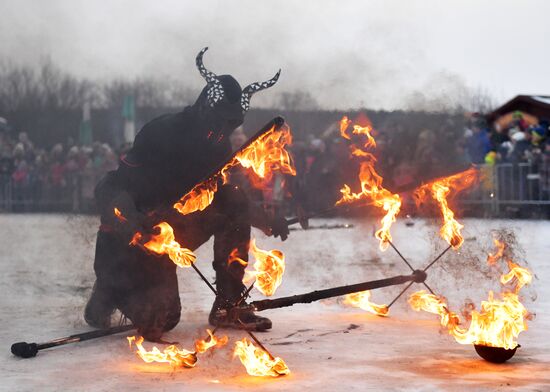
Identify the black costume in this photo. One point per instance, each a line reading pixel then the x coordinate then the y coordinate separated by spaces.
pixel 169 156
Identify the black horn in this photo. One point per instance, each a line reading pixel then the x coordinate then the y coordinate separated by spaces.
pixel 215 90
pixel 253 88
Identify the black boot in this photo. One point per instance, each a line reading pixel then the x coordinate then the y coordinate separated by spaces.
pixel 99 309
pixel 230 291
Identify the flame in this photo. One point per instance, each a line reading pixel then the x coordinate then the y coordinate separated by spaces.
pixel 440 190
pixel 361 300
pixel 119 215
pixel 345 122
pixel 371 189
pixel 165 243
pixel 171 354
pixel 522 276
pixel 371 183
pixel 268 154
pixel 499 321
pixel 269 269
pixel 201 346
pixel 492 258
pixel 357 130
pixel 234 257
pixel 257 362
pixel 357 152
pixel 198 198
pixel 263 156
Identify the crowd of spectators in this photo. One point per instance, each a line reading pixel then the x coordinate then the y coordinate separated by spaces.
pixel 60 178
pixel 63 176
pixel 405 156
pixel 521 140
pixel 518 141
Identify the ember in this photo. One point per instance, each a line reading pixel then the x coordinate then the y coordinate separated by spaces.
pixel 119 215
pixel 257 362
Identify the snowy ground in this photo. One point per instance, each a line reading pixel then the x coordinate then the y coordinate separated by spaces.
pixel 46 275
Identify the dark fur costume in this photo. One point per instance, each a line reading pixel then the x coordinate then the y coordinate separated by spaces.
pixel 169 156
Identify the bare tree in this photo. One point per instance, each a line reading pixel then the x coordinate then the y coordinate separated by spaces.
pixel 147 93
pixel 46 87
pixel 297 100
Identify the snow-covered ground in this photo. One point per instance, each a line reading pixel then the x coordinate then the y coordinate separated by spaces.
pixel 46 275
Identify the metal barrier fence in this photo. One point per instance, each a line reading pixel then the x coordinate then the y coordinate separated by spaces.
pixel 503 187
pixel 510 186
pixel 35 195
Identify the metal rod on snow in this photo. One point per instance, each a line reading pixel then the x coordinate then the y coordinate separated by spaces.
pixel 257 340
pixel 29 350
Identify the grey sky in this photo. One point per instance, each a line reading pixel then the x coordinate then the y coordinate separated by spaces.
pixel 345 53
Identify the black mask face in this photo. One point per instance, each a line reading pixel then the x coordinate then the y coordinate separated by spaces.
pixel 226 114
pixel 222 103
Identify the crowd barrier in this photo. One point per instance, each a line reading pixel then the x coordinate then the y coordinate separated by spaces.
pixel 503 188
pixel 506 187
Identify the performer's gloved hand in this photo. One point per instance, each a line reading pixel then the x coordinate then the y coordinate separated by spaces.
pixel 279 227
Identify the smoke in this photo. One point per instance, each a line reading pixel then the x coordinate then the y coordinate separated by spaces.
pixel 343 54
pixel 448 92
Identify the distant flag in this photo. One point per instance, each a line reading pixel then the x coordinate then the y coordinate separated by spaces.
pixel 129 115
pixel 85 136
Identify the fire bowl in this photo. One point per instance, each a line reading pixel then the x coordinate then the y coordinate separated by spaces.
pixel 495 354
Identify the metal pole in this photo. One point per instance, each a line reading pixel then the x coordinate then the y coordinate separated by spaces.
pixel 437 258
pixel 400 294
pixel 204 278
pixel 257 340
pixel 417 276
pixel 408 264
pixel 29 350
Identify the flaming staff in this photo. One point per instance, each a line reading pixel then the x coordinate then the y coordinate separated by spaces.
pixel 371 183
pixel 440 190
pixel 263 154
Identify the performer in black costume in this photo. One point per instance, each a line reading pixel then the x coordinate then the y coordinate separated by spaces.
pixel 170 155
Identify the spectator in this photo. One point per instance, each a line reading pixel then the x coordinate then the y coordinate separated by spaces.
pixel 478 144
